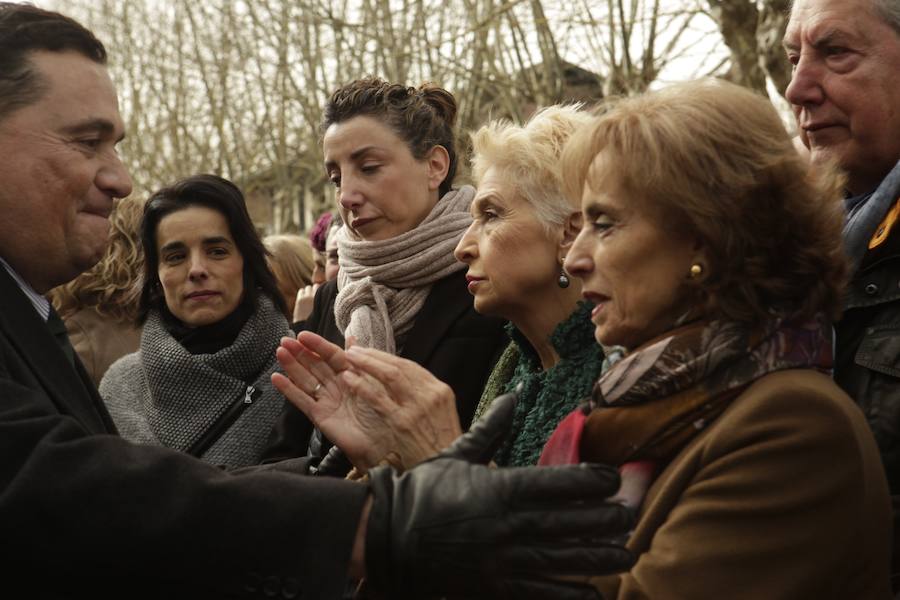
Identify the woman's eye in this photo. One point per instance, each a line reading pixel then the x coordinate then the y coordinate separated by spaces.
pixel 601 224
pixel 218 252
pixel 335 180
pixel 171 259
pixel 369 169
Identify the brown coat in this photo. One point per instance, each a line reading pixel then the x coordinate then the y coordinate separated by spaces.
pixel 100 341
pixel 782 497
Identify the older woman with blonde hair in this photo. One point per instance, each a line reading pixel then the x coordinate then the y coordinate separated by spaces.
pixel 100 306
pixel 522 227
pixel 713 254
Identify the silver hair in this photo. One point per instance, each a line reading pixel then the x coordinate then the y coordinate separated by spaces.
pixel 888 10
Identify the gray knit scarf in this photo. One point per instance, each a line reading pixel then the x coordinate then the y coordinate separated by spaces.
pixel 163 394
pixel 383 285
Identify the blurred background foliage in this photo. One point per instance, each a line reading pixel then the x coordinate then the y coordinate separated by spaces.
pixel 237 87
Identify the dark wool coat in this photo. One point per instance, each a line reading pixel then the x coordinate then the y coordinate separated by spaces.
pixel 85 514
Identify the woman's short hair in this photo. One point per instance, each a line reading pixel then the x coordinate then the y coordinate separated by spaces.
pixel 714 160
pixel 291 260
pixel 423 117
pixel 528 157
pixel 216 193
pixel 112 286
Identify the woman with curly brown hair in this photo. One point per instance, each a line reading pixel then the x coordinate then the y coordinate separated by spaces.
pixel 100 306
pixel 713 255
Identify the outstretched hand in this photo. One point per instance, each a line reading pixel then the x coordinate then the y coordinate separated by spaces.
pixel 311 382
pixel 373 405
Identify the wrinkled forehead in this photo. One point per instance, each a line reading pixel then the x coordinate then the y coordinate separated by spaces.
pixel 842 14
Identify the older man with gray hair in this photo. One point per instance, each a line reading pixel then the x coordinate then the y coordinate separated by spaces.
pixel 845 92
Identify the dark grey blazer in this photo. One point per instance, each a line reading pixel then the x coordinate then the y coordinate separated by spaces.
pixel 85 514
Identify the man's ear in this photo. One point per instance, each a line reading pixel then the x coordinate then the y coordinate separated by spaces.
pixel 438 162
pixel 571 228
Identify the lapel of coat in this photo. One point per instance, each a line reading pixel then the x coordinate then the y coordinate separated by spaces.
pixel 70 389
pixel 447 300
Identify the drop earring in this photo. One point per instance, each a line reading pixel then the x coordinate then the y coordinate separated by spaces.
pixel 563 280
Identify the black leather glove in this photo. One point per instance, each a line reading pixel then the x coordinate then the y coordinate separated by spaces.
pixel 335 464
pixel 452 526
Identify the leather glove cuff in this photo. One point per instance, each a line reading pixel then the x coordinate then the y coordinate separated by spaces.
pixel 378 532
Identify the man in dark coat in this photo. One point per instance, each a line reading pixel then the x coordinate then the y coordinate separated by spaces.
pixel 83 513
pixel 844 91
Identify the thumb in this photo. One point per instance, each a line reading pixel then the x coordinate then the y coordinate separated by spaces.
pixel 349 342
pixel 485 436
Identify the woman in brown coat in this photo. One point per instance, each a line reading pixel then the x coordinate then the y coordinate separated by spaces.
pixel 714 257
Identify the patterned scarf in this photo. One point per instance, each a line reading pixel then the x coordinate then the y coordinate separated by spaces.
pixel 384 284
pixel 650 404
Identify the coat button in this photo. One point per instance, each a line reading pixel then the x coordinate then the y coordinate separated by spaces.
pixel 271 586
pixel 253 581
pixel 871 289
pixel 290 589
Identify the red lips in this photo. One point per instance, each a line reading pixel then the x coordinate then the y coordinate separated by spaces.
pixel 202 293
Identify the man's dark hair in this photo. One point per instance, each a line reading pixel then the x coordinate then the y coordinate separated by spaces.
pixel 222 196
pixel 25 29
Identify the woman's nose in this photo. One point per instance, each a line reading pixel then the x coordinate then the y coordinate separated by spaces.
pixel 578 261
pixel 349 196
pixel 198 268
pixel 467 248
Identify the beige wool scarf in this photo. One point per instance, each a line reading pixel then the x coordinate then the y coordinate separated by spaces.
pixel 383 285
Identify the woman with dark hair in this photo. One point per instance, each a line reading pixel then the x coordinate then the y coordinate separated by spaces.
pixel 213 317
pixel 391 154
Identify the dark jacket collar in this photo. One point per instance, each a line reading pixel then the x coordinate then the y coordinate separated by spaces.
pixel 70 389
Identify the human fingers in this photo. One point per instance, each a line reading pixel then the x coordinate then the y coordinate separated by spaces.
pixel 481 442
pixel 546 522
pixel 399 375
pixel 585 482
pixel 369 390
pixel 529 587
pixel 304 302
pixel 332 354
pixel 574 557
pixel 303 401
